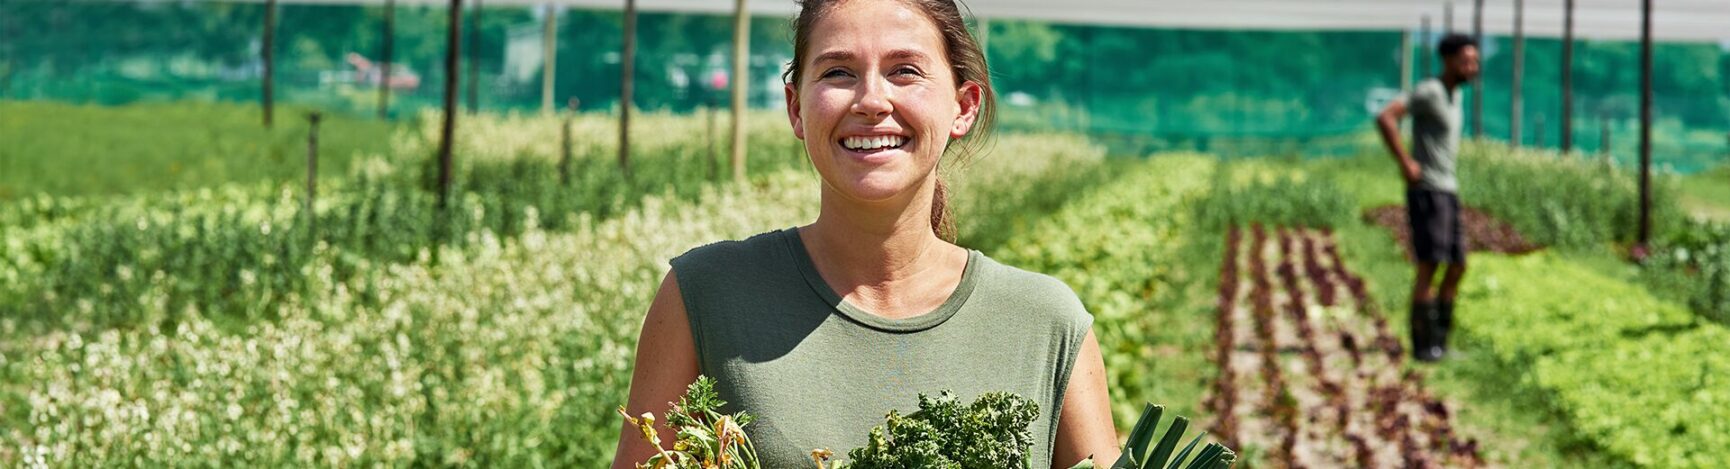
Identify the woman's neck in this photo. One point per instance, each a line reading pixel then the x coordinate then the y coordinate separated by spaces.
pixel 883 256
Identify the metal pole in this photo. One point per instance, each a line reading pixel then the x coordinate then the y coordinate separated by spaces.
pixel 1645 130
pixel 709 114
pixel 1448 17
pixel 1478 83
pixel 385 58
pixel 626 84
pixel 549 57
pixel 453 50
pixel 1538 130
pixel 1514 104
pixel 1405 69
pixel 269 50
pixel 1604 137
pixel 1424 46
pixel 311 171
pixel 741 83
pixel 474 61
pixel 565 146
pixel 1567 76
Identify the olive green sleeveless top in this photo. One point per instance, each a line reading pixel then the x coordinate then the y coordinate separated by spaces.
pixel 818 372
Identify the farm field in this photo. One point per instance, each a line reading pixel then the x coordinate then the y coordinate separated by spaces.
pixel 206 318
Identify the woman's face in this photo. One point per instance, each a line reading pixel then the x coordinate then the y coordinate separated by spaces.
pixel 877 101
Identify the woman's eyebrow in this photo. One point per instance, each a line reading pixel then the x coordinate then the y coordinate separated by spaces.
pixel 845 56
pixel 908 54
pixel 833 56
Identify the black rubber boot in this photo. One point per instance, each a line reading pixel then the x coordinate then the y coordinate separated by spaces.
pixel 1423 325
pixel 1444 324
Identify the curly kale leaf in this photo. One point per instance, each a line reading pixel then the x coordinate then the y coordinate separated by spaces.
pixel 990 433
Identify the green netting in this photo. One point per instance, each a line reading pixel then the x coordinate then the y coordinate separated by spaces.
pixel 1138 89
pixel 120 52
pixel 1691 102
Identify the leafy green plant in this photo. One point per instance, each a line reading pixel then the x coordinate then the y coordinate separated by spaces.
pixel 943 434
pixel 1694 264
pixel 1124 247
pixel 1640 376
pixel 992 433
pixel 990 215
pixel 706 438
pixel 1275 194
pixel 1138 454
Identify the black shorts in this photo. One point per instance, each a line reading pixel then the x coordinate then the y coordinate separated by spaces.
pixel 1436 233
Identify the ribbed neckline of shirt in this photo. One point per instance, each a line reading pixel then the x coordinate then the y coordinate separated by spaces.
pixel 935 317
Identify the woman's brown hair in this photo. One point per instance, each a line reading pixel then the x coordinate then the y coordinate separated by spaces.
pixel 966 61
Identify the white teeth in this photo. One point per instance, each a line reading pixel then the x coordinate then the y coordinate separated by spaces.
pixel 871 143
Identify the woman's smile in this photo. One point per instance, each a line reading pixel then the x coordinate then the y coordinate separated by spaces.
pixel 876 147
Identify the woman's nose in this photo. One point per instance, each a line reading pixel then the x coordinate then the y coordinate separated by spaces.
pixel 873 100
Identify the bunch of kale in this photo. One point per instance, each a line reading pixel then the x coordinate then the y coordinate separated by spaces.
pixel 943 434
pixel 992 433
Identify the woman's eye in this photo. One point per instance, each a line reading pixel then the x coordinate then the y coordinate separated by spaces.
pixel 835 73
pixel 907 71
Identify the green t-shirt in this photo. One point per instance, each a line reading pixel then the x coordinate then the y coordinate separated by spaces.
pixel 1436 118
pixel 820 373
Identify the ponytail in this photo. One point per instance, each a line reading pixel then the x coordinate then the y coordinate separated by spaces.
pixel 942 221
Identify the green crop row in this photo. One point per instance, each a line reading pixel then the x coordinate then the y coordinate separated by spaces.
pixel 51 148
pixel 237 251
pixel 503 350
pixel 1694 264
pixel 1274 193
pixel 1581 204
pixel 1563 201
pixel 1637 375
pixel 1122 248
pixel 510 351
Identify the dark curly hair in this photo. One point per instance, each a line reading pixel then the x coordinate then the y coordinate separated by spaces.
pixel 1453 43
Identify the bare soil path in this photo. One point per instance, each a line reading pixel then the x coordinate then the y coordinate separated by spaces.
pixel 1311 374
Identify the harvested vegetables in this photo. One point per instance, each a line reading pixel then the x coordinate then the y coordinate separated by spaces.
pixel 990 433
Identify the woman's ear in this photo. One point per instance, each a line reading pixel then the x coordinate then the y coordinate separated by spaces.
pixel 793 111
pixel 967 101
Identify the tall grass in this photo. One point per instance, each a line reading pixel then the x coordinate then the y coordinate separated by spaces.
pixel 1564 202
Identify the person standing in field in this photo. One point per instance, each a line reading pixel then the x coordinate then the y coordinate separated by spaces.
pixel 1432 200
pixel 819 330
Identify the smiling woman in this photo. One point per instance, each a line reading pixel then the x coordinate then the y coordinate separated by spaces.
pixel 818 330
pixel 909 75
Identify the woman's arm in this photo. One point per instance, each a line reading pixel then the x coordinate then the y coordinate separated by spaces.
pixel 1085 428
pixel 666 364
